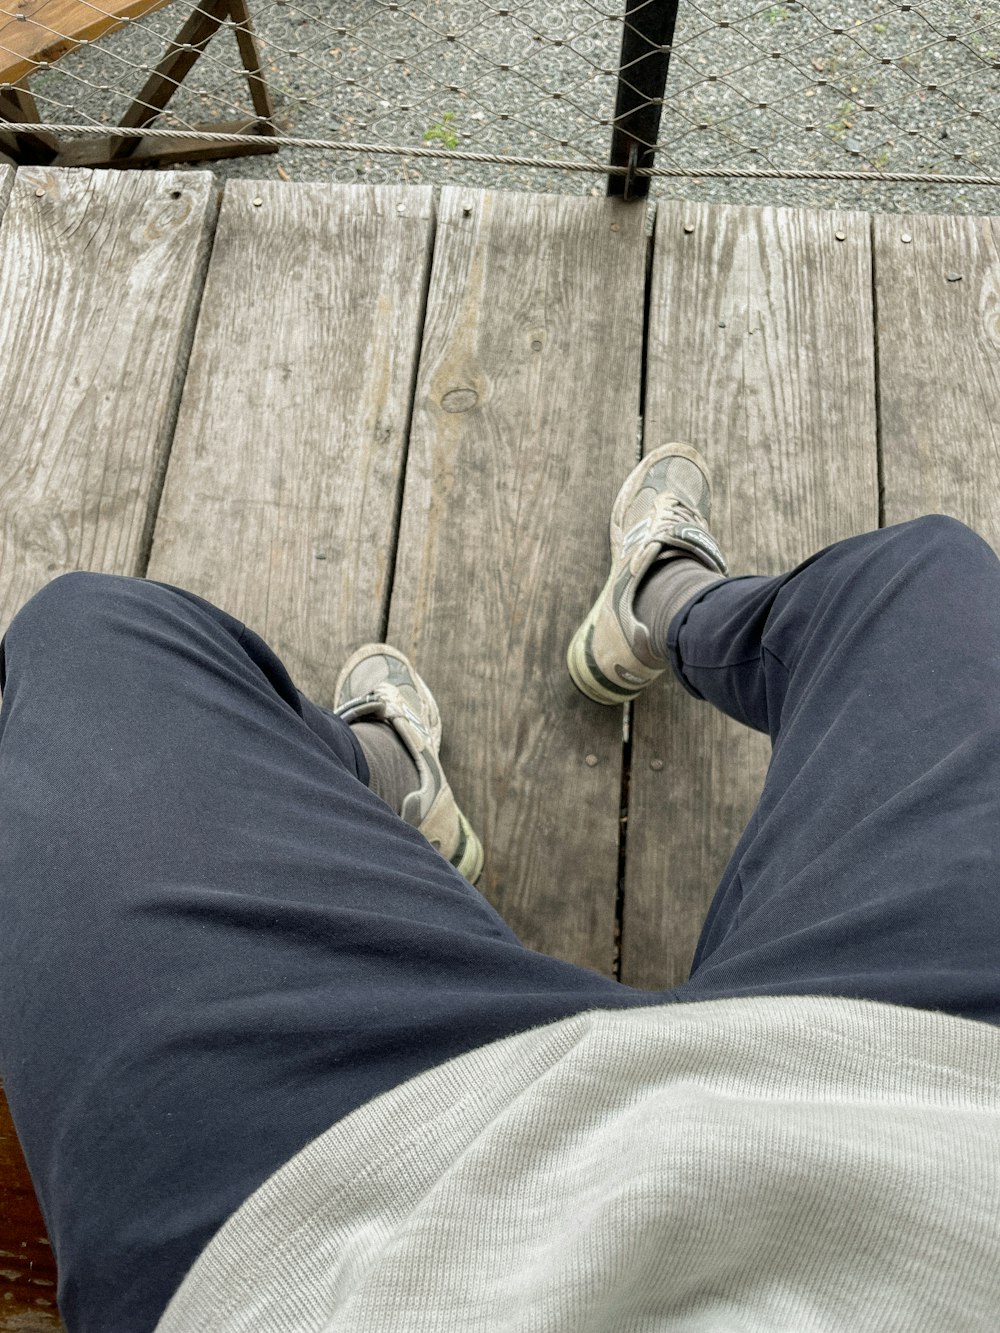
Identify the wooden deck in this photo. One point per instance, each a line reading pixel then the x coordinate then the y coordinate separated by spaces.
pixel 347 413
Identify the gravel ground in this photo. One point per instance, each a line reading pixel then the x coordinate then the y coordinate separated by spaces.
pixel 901 87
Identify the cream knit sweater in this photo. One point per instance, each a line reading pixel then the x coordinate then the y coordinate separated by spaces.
pixel 764 1164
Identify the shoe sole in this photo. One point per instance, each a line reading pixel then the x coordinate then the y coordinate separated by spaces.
pixel 583 669
pixel 472 859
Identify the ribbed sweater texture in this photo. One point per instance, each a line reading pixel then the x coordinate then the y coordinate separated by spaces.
pixel 754 1164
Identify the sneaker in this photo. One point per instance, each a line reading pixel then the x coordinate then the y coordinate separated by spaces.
pixel 378 684
pixel 664 503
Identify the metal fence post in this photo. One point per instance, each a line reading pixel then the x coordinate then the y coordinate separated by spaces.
pixel 642 78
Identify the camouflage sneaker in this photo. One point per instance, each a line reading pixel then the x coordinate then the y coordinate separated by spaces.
pixel 664 503
pixel 378 684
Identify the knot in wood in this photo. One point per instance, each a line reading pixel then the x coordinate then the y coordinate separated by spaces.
pixel 459 400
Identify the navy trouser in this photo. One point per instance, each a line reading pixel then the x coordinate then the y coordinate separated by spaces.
pixel 215 941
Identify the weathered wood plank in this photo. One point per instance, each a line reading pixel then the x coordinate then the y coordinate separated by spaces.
pixel 938 308
pixel 283 483
pixel 6 183
pixel 761 355
pixel 100 276
pixel 51 28
pixel 525 415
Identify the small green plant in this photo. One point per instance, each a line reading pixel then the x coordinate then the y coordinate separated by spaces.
pixel 838 128
pixel 441 132
pixel 776 13
pixel 880 27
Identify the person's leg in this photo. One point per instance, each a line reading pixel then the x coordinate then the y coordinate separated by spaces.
pixel 870 867
pixel 215 940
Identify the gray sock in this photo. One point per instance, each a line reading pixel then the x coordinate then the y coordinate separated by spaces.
pixel 665 589
pixel 392 773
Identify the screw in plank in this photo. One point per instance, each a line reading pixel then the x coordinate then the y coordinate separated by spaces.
pixel 590 760
pixel 906 238
pixel 840 235
pixel 656 765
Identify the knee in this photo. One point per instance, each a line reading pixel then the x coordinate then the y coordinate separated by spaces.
pixel 940 535
pixel 938 551
pixel 74 596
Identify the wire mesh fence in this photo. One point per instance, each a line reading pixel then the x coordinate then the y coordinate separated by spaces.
pixel 878 102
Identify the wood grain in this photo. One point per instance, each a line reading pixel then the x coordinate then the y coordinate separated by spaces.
pixel 282 491
pixel 6 184
pixel 761 355
pixel 100 276
pixel 54 27
pixel 524 418
pixel 938 306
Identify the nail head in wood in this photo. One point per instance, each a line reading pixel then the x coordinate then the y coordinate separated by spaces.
pixel 906 238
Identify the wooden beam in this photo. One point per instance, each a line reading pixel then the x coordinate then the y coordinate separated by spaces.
pixel 99 150
pixel 246 40
pixel 196 33
pixel 36 31
pixel 18 107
